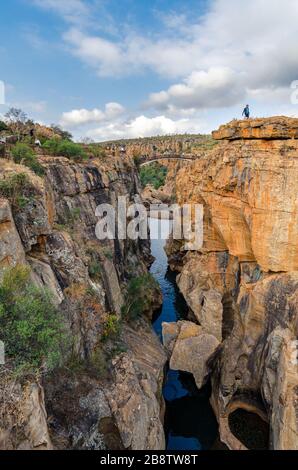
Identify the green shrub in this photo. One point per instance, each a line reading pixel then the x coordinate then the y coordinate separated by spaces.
pixel 96 151
pixel 22 153
pixel 94 270
pixel 140 295
pixel 154 174
pixel 65 148
pixel 3 126
pixel 31 326
pixel 16 188
pixel 117 349
pixel 51 146
pixel 112 327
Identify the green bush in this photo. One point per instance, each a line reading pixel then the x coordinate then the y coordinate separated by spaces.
pixel 22 153
pixel 140 295
pixel 16 188
pixel 94 269
pixel 112 327
pixel 31 326
pixel 65 148
pixel 51 146
pixel 3 126
pixel 153 174
pixel 96 151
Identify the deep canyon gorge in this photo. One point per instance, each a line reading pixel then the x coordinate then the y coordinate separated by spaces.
pixel 211 361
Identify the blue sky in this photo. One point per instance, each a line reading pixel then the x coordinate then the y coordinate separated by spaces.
pixel 106 69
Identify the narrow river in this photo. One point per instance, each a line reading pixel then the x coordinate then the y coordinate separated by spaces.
pixel 190 423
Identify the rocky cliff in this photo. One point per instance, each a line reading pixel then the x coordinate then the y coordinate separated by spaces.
pixel 242 287
pixel 106 394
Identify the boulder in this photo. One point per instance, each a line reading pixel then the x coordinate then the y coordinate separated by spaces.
pixel 191 348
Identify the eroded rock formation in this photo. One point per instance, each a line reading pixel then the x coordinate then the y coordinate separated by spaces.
pixel 242 287
pixel 53 233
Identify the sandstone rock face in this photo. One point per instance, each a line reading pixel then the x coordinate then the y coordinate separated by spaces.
pixel 11 248
pixel 248 187
pixel 192 349
pixel 122 412
pixel 278 127
pixel 24 418
pixel 138 414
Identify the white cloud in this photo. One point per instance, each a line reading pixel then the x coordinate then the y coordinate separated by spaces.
pixel 100 53
pixel 73 11
pixel 232 32
pixel 30 106
pixel 78 117
pixel 237 52
pixel 234 50
pixel 217 87
pixel 143 126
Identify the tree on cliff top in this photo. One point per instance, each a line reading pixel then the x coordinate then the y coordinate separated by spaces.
pixel 18 121
pixel 65 135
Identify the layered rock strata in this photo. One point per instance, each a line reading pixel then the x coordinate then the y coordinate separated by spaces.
pixel 242 286
pixel 53 233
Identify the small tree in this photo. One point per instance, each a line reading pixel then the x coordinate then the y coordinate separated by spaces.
pixel 16 115
pixel 65 135
pixel 16 119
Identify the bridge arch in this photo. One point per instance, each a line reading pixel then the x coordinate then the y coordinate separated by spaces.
pixel 147 161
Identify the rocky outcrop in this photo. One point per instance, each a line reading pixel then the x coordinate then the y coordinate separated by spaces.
pixel 23 417
pixel 138 415
pixel 242 286
pixel 273 128
pixel 121 411
pixel 11 248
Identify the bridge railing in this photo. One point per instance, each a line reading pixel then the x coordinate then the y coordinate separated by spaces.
pixel 152 158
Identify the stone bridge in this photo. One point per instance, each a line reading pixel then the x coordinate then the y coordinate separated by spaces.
pixel 147 160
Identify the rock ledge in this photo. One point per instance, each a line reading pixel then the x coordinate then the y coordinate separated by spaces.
pixel 277 127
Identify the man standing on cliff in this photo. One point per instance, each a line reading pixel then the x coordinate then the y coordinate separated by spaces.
pixel 246 112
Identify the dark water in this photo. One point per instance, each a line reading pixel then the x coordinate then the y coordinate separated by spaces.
pixel 190 423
